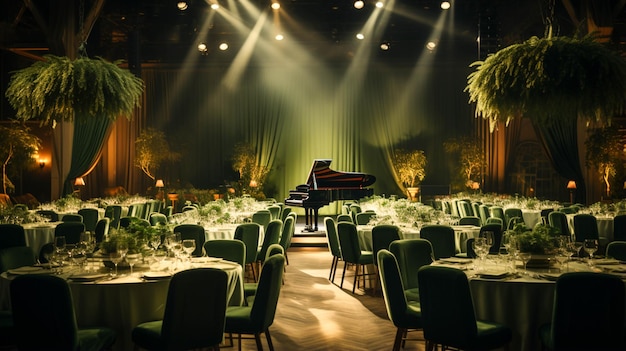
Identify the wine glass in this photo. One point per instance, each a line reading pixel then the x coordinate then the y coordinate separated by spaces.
pixel 116 258
pixel 132 258
pixel 189 246
pixel 590 246
pixel 59 243
pixel 78 254
pixel 525 257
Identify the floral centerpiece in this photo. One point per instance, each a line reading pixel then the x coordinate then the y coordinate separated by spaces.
pixel 137 236
pixel 540 240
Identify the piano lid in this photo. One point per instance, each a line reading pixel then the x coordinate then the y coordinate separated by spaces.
pixel 322 177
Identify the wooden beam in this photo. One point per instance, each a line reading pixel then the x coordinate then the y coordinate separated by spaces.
pixel 571 12
pixel 90 20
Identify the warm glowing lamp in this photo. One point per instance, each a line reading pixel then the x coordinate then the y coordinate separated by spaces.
pixel 253 183
pixel 79 181
pixel 159 183
pixel 42 163
pixel 571 185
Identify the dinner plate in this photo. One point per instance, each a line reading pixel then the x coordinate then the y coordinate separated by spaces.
pixel 459 260
pixel 28 270
pixel 156 275
pixel 206 259
pixel 606 261
pixel 87 277
pixel 493 275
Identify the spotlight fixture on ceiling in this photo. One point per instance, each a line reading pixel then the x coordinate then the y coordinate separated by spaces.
pixel 431 45
pixel 384 46
pixel 379 4
pixel 359 4
pixel 279 37
pixel 223 46
pixel 275 5
pixel 445 5
pixel 202 48
pixel 215 6
pixel 182 5
pixel 360 36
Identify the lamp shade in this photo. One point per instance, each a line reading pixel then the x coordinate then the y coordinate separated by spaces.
pixel 79 181
pixel 571 184
pixel 159 183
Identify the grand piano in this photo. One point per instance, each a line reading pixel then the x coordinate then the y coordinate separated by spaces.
pixel 324 186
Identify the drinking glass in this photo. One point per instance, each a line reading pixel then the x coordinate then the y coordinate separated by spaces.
pixel 590 246
pixel 525 257
pixel 189 245
pixel 132 258
pixel 116 258
pixel 79 256
pixel 59 243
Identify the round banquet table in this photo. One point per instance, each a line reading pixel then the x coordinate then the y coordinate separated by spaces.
pixel 126 301
pixel 462 233
pixel 523 302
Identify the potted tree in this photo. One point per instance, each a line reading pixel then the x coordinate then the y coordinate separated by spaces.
pixel 605 152
pixel 17 147
pixel 410 166
pixel 151 150
pixel 471 160
pixel 251 174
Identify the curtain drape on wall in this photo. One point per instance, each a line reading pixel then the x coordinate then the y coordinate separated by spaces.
pixel 89 136
pixel 560 141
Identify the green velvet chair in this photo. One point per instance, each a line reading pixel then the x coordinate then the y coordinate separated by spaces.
pixel 496 229
pixel 11 235
pixel 230 250
pixel 249 289
pixel 15 257
pixel 249 234
pixel 588 313
pixel 404 315
pixel 186 324
pixel 344 218
pixel 102 229
pixel 441 237
pixel 558 220
pixel 286 211
pixel 470 220
pixel 256 318
pixel 114 213
pixel 495 220
pixel 585 227
pixel 498 212
pixel 262 217
pixel 512 212
pixel 382 236
pixel 333 246
pixel 448 313
pixel 72 217
pixel 194 232
pixel 271 236
pixel 158 218
pixel 44 319
pixel 363 218
pixel 90 218
pixel 274 211
pixel 352 253
pixel 411 254
pixel 51 215
pixel 616 250
pixel 286 235
pixel 70 230
pixel 619 227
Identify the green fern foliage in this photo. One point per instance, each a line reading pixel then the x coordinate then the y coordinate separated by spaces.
pixel 58 89
pixel 549 79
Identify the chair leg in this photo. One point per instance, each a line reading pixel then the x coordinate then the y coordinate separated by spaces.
pixel 239 341
pixel 257 338
pixel 356 275
pixel 398 340
pixel 343 274
pixel 269 340
pixel 332 266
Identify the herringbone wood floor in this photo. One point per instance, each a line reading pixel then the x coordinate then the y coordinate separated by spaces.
pixel 314 314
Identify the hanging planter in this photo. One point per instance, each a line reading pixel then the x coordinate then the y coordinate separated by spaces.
pixel 58 89
pixel 549 79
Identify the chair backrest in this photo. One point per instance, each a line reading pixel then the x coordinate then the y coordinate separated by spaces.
pixel 558 220
pixel 72 217
pixel 274 211
pixel 12 235
pixel 498 212
pixel 364 218
pixel 332 237
pixel 249 234
pixel 262 217
pixel 349 242
pixel 168 211
pixel 194 232
pixel 287 233
pixel 514 221
pixel 470 220
pixel 267 293
pixel 90 218
pixel 392 286
pixel 195 309
pixel 230 250
pixel 102 229
pixel 382 236
pixel 15 257
pixel 512 212
pixel 619 227
pixel 286 211
pixel 411 255
pixel 134 210
pixel 447 307
pixel 70 230
pixel 114 213
pixel 189 208
pixel 585 227
pixel 157 218
pixel 496 229
pixel 52 215
pixel 616 250
pixel 476 209
pixel 274 249
pixel 441 238
pixel 344 218
pixel 55 329
pixel 545 213
pixel 588 312
pixel 354 210
pixel 465 208
pixel 272 236
pixel 492 220
pixel 125 221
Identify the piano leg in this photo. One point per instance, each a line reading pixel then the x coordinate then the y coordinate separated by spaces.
pixel 311 217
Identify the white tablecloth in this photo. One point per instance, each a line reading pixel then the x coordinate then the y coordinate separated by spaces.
pixel 127 301
pixel 605 228
pixel 39 234
pixel 531 217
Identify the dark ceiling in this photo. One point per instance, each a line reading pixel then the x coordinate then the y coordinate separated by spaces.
pixel 155 31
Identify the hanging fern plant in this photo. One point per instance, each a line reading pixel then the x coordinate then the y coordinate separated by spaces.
pixel 549 79
pixel 58 89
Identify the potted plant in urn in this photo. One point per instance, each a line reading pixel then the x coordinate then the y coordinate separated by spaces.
pixel 410 167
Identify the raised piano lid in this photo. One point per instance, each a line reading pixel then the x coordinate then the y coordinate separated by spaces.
pixel 322 177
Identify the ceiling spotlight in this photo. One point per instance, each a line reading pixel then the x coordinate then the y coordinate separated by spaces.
pixel 385 46
pixel 223 46
pixel 215 6
pixel 275 5
pixel 445 5
pixel 359 4
pixel 360 36
pixel 202 47
pixel 379 4
pixel 182 5
pixel 431 45
pixel 279 37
